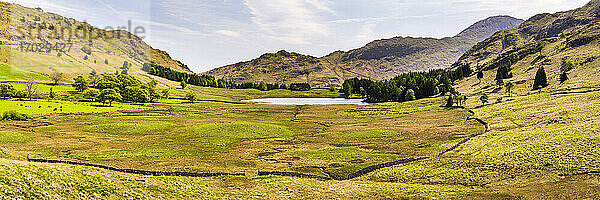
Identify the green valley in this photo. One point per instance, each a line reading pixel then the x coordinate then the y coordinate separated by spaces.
pixel 516 117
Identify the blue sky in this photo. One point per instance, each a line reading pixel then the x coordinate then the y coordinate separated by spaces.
pixel 211 33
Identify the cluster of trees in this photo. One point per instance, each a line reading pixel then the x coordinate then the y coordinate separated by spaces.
pixel 8 91
pixel 406 87
pixel 299 87
pixel 108 88
pixel 209 81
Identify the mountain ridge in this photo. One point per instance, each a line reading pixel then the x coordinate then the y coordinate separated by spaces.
pixel 379 59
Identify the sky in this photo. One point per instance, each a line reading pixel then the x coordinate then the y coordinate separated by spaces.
pixel 206 34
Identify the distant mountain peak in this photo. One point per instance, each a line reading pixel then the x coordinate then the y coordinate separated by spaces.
pixel 488 26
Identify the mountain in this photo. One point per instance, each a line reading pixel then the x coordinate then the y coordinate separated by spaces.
pixel 563 43
pixel 377 60
pixel 54 43
pixel 538 27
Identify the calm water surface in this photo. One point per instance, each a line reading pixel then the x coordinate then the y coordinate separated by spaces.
pixel 307 101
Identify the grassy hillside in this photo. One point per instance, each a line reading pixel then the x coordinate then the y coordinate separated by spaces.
pixel 92 50
pixel 540 146
pixel 377 60
pixel 574 52
pixel 538 27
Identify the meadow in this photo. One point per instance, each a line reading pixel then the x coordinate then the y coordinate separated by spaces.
pixel 538 143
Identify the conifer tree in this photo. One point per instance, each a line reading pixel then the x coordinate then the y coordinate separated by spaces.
pixel 564 77
pixel 541 80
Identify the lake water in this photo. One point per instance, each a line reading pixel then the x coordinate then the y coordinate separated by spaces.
pixel 308 101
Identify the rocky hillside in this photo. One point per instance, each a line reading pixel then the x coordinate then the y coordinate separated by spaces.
pixel 377 60
pixel 35 44
pixel 563 43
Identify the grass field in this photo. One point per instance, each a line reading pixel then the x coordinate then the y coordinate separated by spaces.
pixel 43 181
pixel 538 145
pixel 216 136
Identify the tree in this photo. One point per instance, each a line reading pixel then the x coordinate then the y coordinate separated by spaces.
pixel 450 101
pixel 106 61
pixel 135 94
pixel 109 95
pixel 503 71
pixel 410 95
pixel 80 84
pixel 480 75
pixel 91 94
pixel 183 85
pixel 94 78
pixel 30 89
pixel 347 89
pixel 541 81
pixel 126 65
pixel 191 96
pixel 564 76
pixel 6 90
pixel 509 87
pixel 56 77
pixel 51 94
pixel 85 57
pixel 484 98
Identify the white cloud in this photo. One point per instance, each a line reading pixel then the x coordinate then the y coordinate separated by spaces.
pixel 291 21
pixel 228 33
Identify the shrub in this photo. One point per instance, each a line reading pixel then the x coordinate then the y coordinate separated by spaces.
pixel 14 116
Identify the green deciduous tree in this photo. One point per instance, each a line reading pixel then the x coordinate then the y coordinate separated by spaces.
pixel 80 84
pixel 31 88
pixel 135 94
pixel 91 94
pixel 109 95
pixel 347 89
pixel 56 77
pixel 6 90
pixel 191 96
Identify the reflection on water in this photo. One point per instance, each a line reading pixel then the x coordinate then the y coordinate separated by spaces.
pixel 307 101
